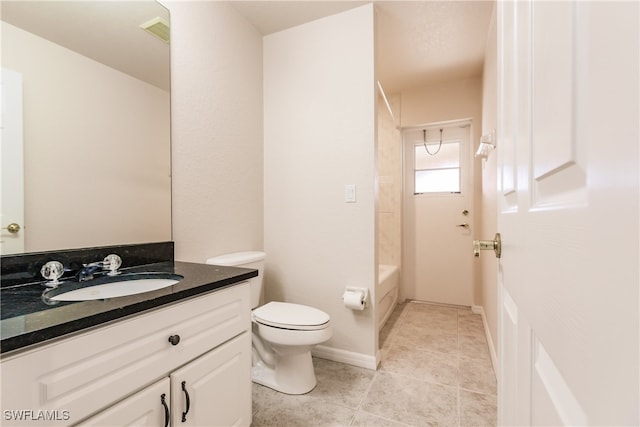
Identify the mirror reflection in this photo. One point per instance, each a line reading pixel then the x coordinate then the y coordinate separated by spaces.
pixel 86 124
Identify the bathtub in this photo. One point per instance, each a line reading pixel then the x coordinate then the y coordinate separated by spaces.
pixel 386 292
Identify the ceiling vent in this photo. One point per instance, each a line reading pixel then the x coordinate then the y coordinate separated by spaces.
pixel 157 27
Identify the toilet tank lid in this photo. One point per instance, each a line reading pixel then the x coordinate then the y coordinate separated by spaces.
pixel 237 258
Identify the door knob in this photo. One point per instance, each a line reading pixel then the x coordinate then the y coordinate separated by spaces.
pixel 12 228
pixel 465 225
pixel 481 245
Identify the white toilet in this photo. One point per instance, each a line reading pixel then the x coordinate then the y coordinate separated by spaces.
pixel 283 333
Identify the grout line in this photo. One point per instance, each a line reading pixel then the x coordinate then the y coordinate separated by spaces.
pixel 459 407
pixel 366 393
pixel 477 392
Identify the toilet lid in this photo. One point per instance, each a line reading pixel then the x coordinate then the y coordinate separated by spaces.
pixel 290 316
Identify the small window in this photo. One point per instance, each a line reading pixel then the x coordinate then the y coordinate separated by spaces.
pixel 438 173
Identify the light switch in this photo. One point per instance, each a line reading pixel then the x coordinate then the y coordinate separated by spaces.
pixel 350 193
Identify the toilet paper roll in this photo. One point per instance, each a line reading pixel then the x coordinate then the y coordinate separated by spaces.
pixel 354 300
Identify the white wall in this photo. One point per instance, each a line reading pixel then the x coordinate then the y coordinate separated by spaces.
pixel 96 149
pixel 454 100
pixel 216 87
pixel 488 224
pixel 319 134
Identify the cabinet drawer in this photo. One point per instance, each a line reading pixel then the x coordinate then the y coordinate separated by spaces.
pixel 87 372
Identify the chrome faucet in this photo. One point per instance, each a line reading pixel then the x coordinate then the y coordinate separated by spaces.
pixel 111 262
pixel 87 271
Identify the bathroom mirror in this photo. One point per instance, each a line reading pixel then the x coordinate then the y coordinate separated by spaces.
pixel 92 87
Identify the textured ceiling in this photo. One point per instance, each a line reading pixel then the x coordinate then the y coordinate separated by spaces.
pixel 418 42
pixel 273 16
pixel 421 43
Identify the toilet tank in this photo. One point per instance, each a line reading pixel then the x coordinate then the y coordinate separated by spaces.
pixel 247 259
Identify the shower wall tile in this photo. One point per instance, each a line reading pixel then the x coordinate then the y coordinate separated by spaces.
pixel 388 238
pixel 389 207
pixel 385 194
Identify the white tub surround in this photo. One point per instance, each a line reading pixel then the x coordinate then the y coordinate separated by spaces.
pixel 386 292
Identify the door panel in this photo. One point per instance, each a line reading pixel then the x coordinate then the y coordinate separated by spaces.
pixel 508 318
pixel 552 397
pixel 553 103
pixel 557 95
pixel 568 276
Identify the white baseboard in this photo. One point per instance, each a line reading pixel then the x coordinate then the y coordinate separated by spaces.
pixel 478 309
pixel 343 356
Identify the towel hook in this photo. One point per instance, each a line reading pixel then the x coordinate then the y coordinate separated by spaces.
pixel 424 142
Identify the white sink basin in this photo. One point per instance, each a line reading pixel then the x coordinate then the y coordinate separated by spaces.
pixel 116 289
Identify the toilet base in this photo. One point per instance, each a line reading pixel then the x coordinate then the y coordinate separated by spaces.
pixel 293 373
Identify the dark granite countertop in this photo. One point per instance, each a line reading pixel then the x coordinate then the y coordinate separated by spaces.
pixel 26 320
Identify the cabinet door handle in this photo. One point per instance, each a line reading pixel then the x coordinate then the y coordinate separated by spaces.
pixel 186 395
pixel 167 416
pixel 174 339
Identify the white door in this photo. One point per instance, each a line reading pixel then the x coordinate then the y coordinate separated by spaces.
pixel 11 176
pixel 148 407
pixel 437 214
pixel 568 213
pixel 212 390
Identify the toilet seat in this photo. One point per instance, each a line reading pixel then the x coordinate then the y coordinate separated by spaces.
pixel 290 316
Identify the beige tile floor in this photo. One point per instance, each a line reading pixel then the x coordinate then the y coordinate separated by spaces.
pixel 435 370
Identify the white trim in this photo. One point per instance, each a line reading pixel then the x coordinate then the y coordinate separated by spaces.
pixel 386 102
pixel 478 309
pixel 343 356
pixel 446 123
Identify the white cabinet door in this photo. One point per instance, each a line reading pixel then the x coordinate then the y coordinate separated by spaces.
pixel 212 390
pixel 148 407
pixel 568 213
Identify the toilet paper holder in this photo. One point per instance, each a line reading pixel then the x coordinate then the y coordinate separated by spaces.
pixel 362 292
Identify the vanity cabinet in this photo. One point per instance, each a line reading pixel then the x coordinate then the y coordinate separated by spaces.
pixel 117 373
pixel 210 391
pixel 144 409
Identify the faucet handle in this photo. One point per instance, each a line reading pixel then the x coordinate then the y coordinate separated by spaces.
pixel 112 263
pixel 53 270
